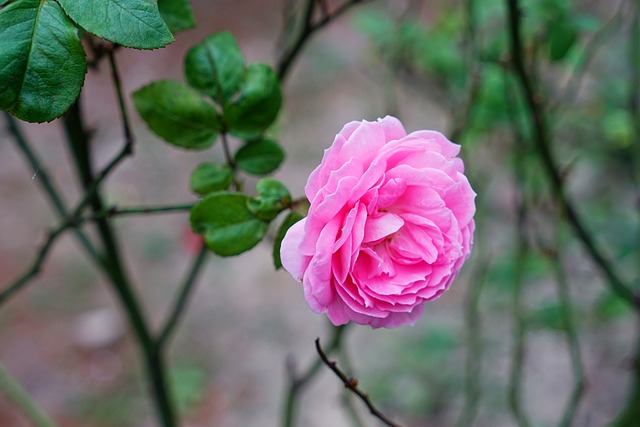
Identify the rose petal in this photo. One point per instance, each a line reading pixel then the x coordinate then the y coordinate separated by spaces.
pixel 389 226
pixel 381 226
pixel 292 259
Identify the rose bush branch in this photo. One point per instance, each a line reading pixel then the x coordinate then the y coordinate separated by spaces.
pixel 309 27
pixel 352 384
pixel 153 357
pixel 124 115
pixel 36 265
pixel 40 172
pixel 115 211
pixel 181 301
pixel 542 140
pixel 72 220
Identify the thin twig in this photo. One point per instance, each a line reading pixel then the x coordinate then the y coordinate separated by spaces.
pixel 115 211
pixel 72 220
pixel 36 264
pixel 542 141
pixel 117 82
pixel 352 384
pixel 308 29
pixel 47 184
pixel 182 298
pixel 75 219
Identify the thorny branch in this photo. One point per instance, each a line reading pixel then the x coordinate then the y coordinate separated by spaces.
pixel 352 384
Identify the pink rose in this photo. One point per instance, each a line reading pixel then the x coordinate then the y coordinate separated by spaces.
pixel 389 227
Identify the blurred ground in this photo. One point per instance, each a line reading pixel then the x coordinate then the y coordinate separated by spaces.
pixel 246 320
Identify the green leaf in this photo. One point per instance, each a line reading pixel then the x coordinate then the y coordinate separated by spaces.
pixel 209 177
pixel 177 14
pixel 257 104
pixel 228 226
pixel 130 23
pixel 290 219
pixel 42 64
pixel 215 66
pixel 273 198
pixel 177 114
pixel 259 157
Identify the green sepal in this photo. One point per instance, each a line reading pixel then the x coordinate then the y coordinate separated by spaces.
pixel 42 65
pixel 177 114
pixel 259 157
pixel 131 23
pixel 257 104
pixel 228 226
pixel 210 177
pixel 273 197
pixel 215 66
pixel 288 222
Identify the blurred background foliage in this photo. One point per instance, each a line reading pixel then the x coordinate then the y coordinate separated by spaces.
pixel 530 335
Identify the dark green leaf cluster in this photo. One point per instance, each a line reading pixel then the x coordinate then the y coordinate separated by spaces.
pixel 42 61
pixel 233 223
pixel 223 97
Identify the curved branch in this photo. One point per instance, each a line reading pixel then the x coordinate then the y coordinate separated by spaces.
pixel 45 181
pixel 36 265
pixel 309 27
pixel 542 141
pixel 352 384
